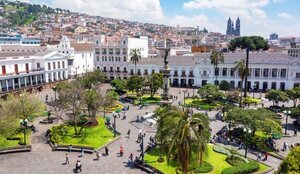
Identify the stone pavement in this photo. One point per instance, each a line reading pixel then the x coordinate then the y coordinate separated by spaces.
pixel 43 160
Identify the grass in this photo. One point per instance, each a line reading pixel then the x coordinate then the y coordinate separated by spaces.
pixel 93 136
pixel 151 159
pixel 4 143
pixel 117 106
pixel 215 159
pixel 199 102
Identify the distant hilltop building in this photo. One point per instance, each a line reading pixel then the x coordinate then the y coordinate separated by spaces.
pixel 230 27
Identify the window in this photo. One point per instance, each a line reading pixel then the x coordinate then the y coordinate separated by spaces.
pixel 104 51
pixel 216 71
pixel 191 73
pixel 82 55
pixel 232 70
pixel 111 69
pixel 205 73
pixel 274 72
pixel 124 58
pixel 266 72
pixel 224 73
pixel 283 73
pixel 175 72
pixel 139 72
pixel 63 64
pixel 98 58
pixel 153 71
pixel 58 65
pixel 38 66
pixel 257 72
pixel 53 65
pixel 183 73
pixel 49 66
pixel 297 75
pixel 104 69
pixel 27 67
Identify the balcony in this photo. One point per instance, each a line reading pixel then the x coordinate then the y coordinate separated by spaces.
pixel 183 75
pixel 118 53
pixel 125 72
pixel 124 53
pixel 104 52
pixel 175 75
pixel 118 71
pixel 191 75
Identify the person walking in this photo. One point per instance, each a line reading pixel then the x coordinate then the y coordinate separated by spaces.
pixel 106 150
pixel 67 159
pixel 97 155
pixel 295 133
pixel 121 150
pixel 266 156
pixel 128 133
pixel 70 148
pixel 259 156
pixel 82 152
pixel 78 166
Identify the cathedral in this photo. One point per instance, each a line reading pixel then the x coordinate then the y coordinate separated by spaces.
pixel 230 27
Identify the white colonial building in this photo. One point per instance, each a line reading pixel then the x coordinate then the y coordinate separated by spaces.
pixel 31 69
pixel 266 70
pixel 80 55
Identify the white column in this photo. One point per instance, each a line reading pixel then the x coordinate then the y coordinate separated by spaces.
pixel 13 83
pixel 31 79
pixel 19 81
pixel 36 79
pixel 25 81
pixel 6 81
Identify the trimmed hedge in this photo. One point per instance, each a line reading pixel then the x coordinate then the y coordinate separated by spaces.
pixel 243 168
pixel 222 150
pixel 194 167
pixel 234 160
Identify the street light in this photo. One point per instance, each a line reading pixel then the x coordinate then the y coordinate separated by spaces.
pixel 115 125
pixel 142 150
pixel 247 132
pixel 24 124
pixel 287 113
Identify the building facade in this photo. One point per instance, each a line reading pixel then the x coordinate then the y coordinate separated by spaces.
pixel 9 39
pixel 230 27
pixel 266 70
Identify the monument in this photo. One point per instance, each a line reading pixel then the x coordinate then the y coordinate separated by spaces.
pixel 166 97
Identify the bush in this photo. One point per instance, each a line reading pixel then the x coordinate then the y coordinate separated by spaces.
pixel 222 150
pixel 243 168
pixel 250 101
pixel 194 167
pixel 235 160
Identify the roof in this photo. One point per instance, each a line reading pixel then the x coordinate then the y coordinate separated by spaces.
pixel 16 54
pixel 82 47
pixel 229 58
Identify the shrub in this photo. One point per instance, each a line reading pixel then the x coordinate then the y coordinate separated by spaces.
pixel 243 168
pixel 235 160
pixel 249 100
pixel 222 150
pixel 194 167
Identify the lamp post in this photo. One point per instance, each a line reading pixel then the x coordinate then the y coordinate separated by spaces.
pixel 287 113
pixel 54 89
pixel 247 132
pixel 142 150
pixel 23 122
pixel 115 125
pixel 253 88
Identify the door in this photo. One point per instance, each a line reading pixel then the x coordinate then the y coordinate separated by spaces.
pixel 27 68
pixel 16 69
pixel 3 70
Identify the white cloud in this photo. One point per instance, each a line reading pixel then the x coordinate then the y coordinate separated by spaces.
pixel 140 10
pixel 285 15
pixel 277 1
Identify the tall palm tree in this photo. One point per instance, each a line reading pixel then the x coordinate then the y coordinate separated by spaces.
pixel 160 113
pixel 185 131
pixel 241 69
pixel 215 59
pixel 135 56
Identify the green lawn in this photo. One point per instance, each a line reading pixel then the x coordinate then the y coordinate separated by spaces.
pixel 93 136
pixel 214 158
pixel 200 102
pixel 4 143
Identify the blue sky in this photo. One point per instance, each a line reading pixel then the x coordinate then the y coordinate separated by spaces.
pixel 258 17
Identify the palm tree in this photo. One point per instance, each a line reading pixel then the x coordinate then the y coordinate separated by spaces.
pixel 135 56
pixel 215 59
pixel 160 112
pixel 241 69
pixel 185 131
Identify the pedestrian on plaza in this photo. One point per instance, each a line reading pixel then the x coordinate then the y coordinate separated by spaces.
pixel 47 98
pixel 78 166
pixel 70 148
pixel 131 157
pixel 121 150
pixel 259 156
pixel 128 133
pixel 141 146
pixel 128 107
pixel 266 156
pixel 144 133
pixel 295 132
pixel 82 152
pixel 262 105
pixel 106 150
pixel 284 146
pixel 97 155
pixel 139 138
pixel 67 159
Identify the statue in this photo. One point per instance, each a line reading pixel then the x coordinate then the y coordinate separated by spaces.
pixel 166 56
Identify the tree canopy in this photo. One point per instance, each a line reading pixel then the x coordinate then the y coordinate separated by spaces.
pixel 119 85
pixel 276 96
pixel 135 83
pixel 92 78
pixel 251 42
pixel 225 85
pixel 210 92
pixel 291 163
pixel 294 94
pixel 154 82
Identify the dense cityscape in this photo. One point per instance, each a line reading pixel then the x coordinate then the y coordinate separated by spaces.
pixel 93 94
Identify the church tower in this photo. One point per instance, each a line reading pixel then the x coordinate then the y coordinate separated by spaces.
pixel 238 27
pixel 228 30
